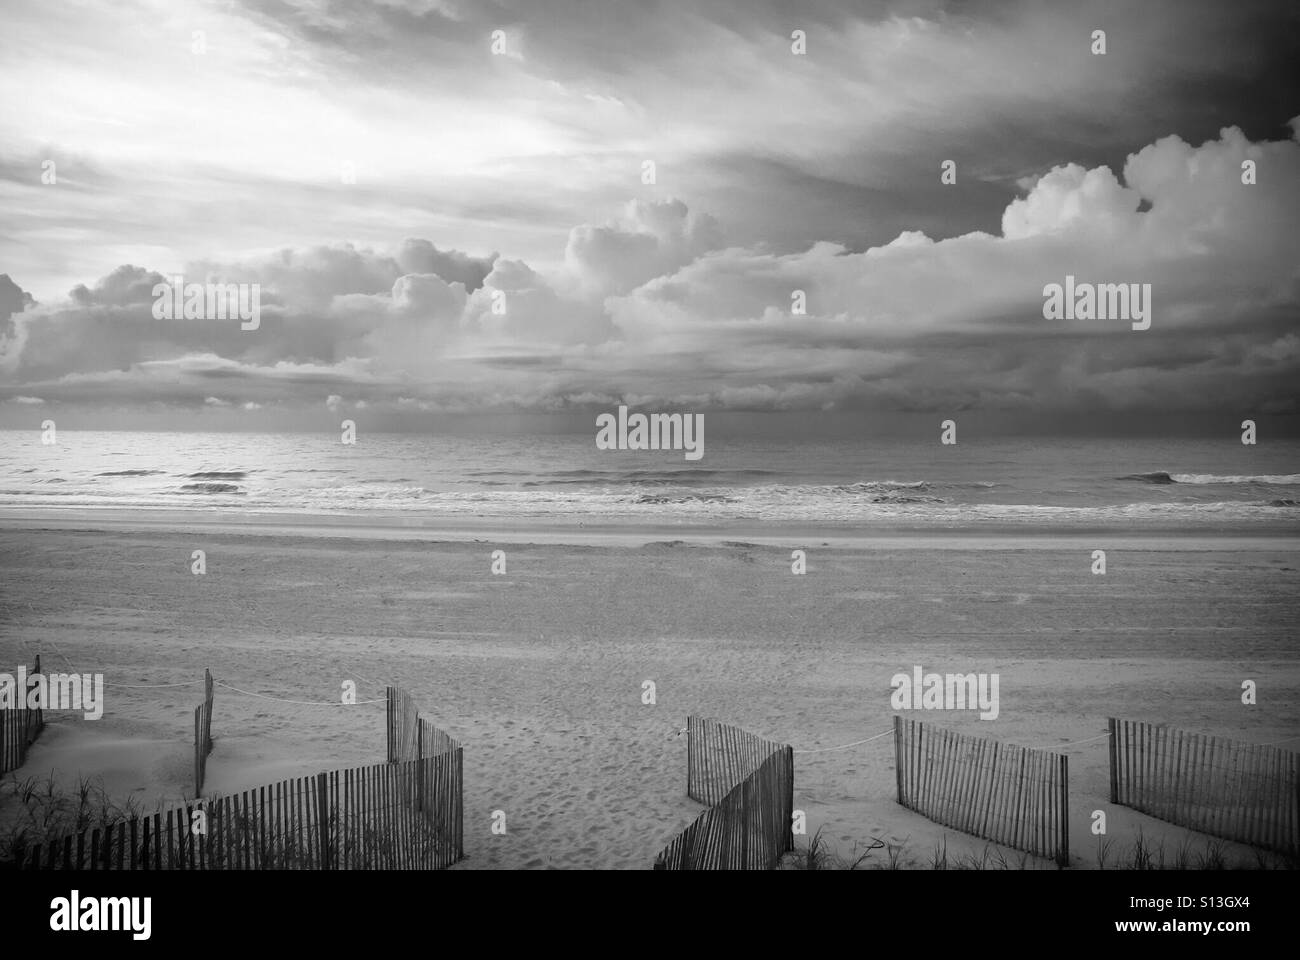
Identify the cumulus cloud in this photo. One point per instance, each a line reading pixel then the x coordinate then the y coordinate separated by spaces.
pixel 652 307
pixel 651 238
pixel 1071 196
pixel 421 256
pixel 13 299
pixel 958 323
pixel 125 286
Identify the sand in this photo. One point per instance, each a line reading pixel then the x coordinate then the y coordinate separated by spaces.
pixel 539 672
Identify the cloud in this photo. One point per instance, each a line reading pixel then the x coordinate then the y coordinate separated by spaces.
pixel 653 307
pixel 957 323
pixel 125 286
pixel 13 299
pixel 421 256
pixel 1071 196
pixel 650 239
pixel 494 152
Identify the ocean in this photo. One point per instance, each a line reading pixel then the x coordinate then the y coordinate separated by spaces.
pixel 565 478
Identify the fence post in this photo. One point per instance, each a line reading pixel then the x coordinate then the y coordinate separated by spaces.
pixel 789 804
pixel 1114 769
pixel 40 710
pixel 198 751
pixel 323 820
pixel 898 758
pixel 460 802
pixel 1063 858
pixel 690 753
pixel 388 721
pixel 207 710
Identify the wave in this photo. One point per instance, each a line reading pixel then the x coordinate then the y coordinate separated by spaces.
pixel 870 486
pixel 211 488
pixel 684 498
pixel 1274 478
pixel 218 475
pixel 129 473
pixel 1159 477
pixel 685 477
pixel 1210 478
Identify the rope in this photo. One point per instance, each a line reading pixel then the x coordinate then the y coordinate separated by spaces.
pixel 845 746
pixel 1069 743
pixel 152 686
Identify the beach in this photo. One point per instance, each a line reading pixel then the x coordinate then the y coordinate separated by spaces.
pixel 539 672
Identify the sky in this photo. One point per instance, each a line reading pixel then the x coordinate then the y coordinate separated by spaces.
pixel 444 206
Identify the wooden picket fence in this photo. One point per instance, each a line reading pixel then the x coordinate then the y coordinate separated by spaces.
pixel 749 784
pixel 19 726
pixel 413 737
pixel 999 791
pixel 365 818
pixel 202 734
pixel 1227 788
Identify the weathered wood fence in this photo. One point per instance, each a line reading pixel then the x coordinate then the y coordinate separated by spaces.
pixel 749 784
pixel 1227 788
pixel 202 734
pixel 413 737
pixel 999 791
pixel 19 726
pixel 367 818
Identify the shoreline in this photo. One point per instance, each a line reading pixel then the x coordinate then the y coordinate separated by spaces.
pixel 532 531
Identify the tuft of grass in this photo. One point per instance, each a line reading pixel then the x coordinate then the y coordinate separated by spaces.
pixel 1140 857
pixel 815 855
pixel 939 858
pixel 1214 856
pixel 39 811
pixel 1103 851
